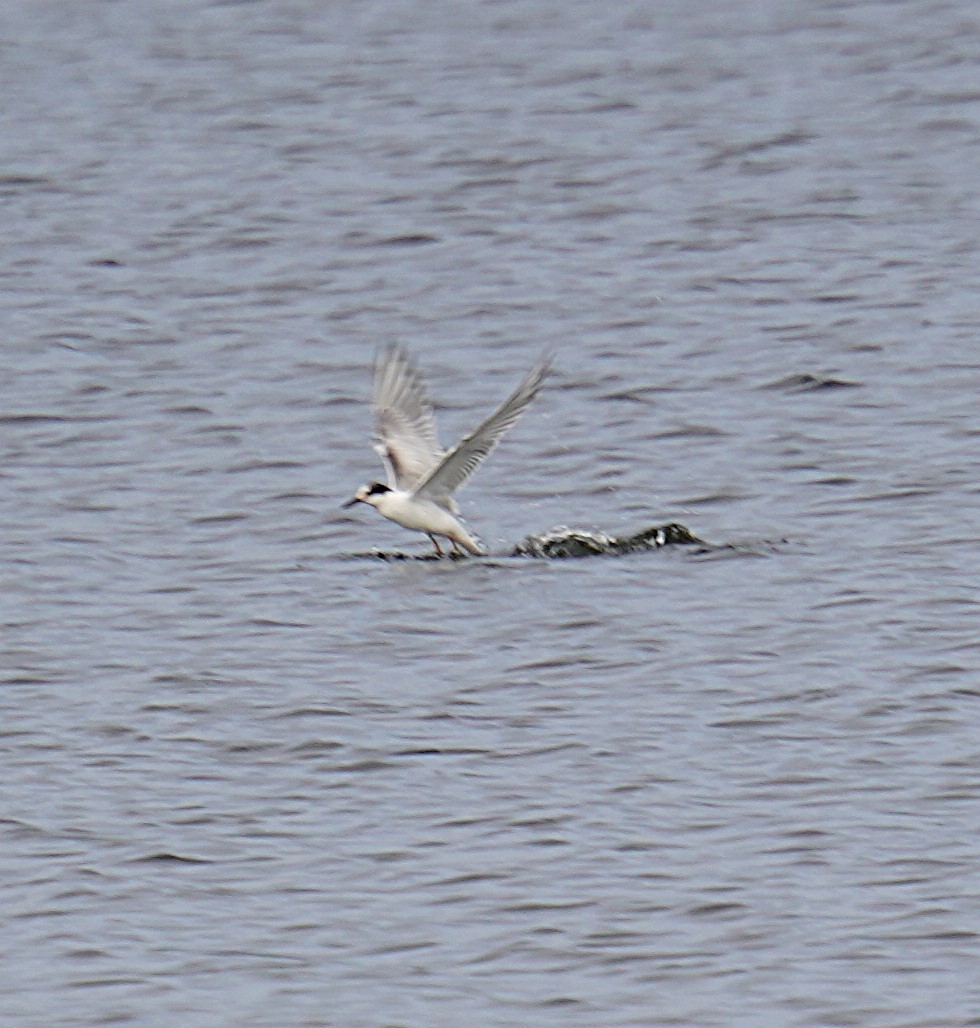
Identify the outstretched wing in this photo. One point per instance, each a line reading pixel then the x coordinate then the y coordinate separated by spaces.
pixel 456 467
pixel 404 424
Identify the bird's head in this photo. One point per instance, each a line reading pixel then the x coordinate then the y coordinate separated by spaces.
pixel 368 494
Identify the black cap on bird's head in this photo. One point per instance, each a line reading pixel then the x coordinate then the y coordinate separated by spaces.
pixel 362 494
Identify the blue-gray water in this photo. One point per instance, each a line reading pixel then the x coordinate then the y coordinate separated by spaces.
pixel 249 779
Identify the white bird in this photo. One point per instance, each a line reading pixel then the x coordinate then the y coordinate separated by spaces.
pixel 421 476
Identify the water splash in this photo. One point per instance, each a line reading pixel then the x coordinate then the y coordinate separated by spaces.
pixel 562 542
pixel 574 542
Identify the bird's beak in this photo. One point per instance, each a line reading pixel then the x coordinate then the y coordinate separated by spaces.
pixel 349 503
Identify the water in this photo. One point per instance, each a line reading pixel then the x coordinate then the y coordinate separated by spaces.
pixel 250 778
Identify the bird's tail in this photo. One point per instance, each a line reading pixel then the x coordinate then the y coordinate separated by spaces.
pixel 468 542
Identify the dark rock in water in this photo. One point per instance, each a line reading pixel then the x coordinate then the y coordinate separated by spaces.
pixel 573 542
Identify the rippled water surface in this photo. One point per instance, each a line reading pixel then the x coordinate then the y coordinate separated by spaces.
pixel 250 774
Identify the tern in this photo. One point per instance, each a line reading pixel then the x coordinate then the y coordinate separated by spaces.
pixel 421 476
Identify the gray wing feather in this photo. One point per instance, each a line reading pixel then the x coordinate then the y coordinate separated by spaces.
pixel 404 423
pixel 456 467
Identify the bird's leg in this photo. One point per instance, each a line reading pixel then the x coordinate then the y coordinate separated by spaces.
pixel 435 543
pixel 457 549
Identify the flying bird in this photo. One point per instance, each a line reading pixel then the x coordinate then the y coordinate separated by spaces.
pixel 421 476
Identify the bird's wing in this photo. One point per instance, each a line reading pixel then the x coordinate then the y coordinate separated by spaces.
pixel 404 426
pixel 456 467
